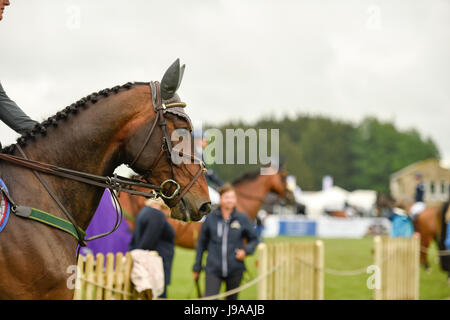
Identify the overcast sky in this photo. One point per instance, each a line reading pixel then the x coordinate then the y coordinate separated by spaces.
pixel 244 58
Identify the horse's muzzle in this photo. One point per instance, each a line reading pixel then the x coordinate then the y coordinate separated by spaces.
pixel 205 208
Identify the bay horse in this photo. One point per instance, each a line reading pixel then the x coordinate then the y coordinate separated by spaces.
pixel 253 187
pixel 427 223
pixel 94 135
pixel 251 191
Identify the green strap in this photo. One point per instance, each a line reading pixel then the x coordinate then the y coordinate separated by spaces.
pixel 127 215
pixel 56 222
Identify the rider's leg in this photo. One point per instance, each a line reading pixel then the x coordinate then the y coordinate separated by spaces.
pixel 415 210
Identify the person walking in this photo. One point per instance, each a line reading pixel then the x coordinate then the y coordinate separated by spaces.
pixel 153 232
pixel 222 235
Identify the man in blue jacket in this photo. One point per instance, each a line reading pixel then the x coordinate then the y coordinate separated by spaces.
pixel 10 113
pixel 222 235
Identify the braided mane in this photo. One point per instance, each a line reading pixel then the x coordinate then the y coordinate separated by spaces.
pixel 74 108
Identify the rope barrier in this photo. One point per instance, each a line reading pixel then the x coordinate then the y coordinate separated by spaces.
pixel 335 272
pixel 238 289
pixel 275 268
pixel 105 287
pixel 331 271
pixel 441 253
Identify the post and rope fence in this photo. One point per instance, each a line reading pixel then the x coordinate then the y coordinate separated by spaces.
pixel 111 281
pixel 302 269
pixel 301 272
pixel 286 270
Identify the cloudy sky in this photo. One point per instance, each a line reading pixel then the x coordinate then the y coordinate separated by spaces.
pixel 244 58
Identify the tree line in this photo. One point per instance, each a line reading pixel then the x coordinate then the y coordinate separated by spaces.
pixel 357 156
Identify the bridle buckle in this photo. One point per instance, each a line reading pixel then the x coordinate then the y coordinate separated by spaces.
pixel 173 195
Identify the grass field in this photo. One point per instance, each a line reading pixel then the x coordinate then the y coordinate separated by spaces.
pixel 340 254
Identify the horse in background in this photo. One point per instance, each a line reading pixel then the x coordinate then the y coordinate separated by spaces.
pixel 251 190
pixel 427 223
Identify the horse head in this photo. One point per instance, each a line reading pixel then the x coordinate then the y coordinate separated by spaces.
pixel 278 183
pixel 183 184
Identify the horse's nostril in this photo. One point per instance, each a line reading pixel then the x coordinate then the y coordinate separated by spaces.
pixel 205 208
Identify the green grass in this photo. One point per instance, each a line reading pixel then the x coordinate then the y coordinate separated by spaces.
pixel 340 254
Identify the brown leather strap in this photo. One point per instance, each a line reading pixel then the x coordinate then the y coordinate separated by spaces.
pixel 160 120
pixel 147 139
pixel 155 162
pixel 190 184
pixel 121 184
pixel 81 241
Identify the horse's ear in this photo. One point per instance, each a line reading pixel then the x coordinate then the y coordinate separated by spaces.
pixel 171 80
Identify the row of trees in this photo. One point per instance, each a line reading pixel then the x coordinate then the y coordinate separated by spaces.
pixel 357 156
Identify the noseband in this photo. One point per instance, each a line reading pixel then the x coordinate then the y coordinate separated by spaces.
pixel 160 107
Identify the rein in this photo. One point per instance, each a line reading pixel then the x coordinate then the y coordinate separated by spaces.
pixel 115 183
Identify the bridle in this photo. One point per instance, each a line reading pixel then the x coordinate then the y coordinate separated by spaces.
pixel 160 108
pixel 115 183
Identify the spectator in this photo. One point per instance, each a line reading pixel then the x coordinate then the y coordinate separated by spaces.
pixel 222 235
pixel 153 232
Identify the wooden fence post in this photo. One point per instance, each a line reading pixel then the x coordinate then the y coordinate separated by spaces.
pixel 319 272
pixel 262 269
pixel 399 266
pixel 299 272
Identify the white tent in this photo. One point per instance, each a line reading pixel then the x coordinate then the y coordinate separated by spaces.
pixel 332 199
pixel 362 200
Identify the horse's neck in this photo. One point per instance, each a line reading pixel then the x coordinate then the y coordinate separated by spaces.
pixel 258 187
pixel 252 192
pixel 85 142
